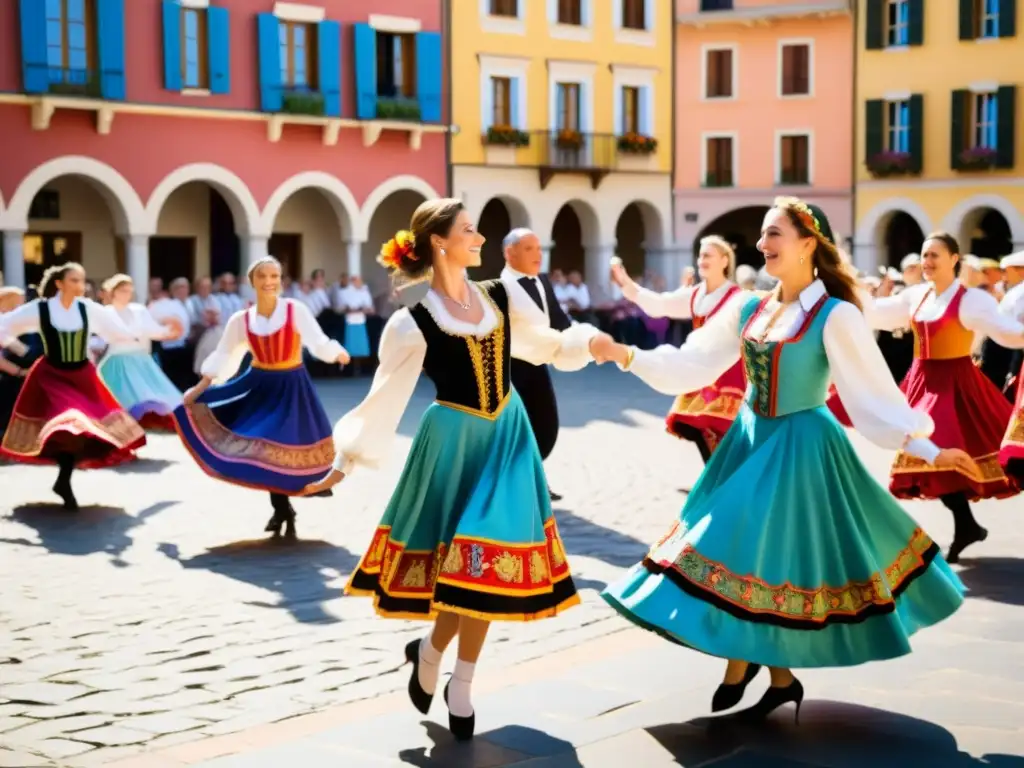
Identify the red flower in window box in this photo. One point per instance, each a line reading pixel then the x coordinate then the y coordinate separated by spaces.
pixel 889 164
pixel 978 159
pixel 637 144
pixel 569 139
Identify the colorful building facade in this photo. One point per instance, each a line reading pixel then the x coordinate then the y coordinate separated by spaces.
pixel 939 123
pixel 764 108
pixel 564 111
pixel 190 137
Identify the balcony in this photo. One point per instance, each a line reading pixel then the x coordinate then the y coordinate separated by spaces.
pixel 84 83
pixel 70 88
pixel 701 13
pixel 594 155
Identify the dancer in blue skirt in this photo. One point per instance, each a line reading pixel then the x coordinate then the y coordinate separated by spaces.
pixel 787 552
pixel 468 537
pixel 265 428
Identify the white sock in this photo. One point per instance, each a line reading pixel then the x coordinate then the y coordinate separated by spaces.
pixel 430 665
pixel 458 692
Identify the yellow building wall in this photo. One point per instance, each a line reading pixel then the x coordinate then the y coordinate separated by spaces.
pixel 469 39
pixel 935 69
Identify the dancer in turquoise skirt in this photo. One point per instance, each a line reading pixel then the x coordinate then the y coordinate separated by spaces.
pixel 787 552
pixel 468 537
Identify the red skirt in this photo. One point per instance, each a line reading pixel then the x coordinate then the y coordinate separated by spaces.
pixel 970 413
pixel 1011 452
pixel 707 414
pixel 836 406
pixel 69 411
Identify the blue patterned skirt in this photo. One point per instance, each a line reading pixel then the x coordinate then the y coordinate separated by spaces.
pixel 263 429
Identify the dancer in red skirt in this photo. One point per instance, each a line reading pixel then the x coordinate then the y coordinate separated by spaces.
pixel 969 412
pixel 64 414
pixel 702 417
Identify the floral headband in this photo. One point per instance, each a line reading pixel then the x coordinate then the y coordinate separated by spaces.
pixel 807 217
pixel 398 251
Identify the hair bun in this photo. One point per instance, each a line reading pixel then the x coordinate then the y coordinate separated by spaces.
pixel 399 251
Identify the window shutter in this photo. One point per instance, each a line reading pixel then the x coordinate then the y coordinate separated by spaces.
pixel 916 132
pixel 428 75
pixel 329 53
pixel 218 32
pixel 1008 18
pixel 271 98
pixel 958 128
pixel 110 33
pixel 967 31
pixel 874 33
pixel 34 68
pixel 1006 133
pixel 915 22
pixel 365 38
pixel 874 125
pixel 513 104
pixel 172 45
pixel 643 98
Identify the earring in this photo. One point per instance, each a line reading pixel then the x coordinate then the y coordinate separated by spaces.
pixel 801 258
pixel 443 252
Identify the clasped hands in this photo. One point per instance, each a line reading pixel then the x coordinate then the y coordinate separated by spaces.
pixel 603 348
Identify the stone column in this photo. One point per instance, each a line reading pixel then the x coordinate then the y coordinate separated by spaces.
pixel 598 268
pixel 254 248
pixel 14 259
pixel 545 258
pixel 354 258
pixel 136 257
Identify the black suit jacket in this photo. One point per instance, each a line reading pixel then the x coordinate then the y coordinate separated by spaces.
pixel 559 320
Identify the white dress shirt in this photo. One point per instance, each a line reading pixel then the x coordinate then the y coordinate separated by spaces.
pixel 874 402
pixel 103 322
pixel 355 302
pixel 173 308
pixel 1012 303
pixel 512 277
pixel 677 304
pixel 228 304
pixel 141 322
pixel 580 294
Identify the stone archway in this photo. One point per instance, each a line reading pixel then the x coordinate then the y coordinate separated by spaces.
pixel 986 233
pixel 495 222
pixel 742 228
pixel 901 236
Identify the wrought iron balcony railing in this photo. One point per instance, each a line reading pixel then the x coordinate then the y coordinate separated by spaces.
pixel 70 81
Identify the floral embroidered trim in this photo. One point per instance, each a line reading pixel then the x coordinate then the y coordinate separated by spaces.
pixel 26 437
pixel 991 471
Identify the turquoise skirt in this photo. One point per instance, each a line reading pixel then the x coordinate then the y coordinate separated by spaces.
pixel 141 388
pixel 469 528
pixel 788 553
pixel 357 340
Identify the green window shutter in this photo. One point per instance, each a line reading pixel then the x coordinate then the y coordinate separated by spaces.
pixel 873 29
pixel 874 128
pixel 915 22
pixel 967 31
pixel 1006 128
pixel 1008 18
pixel 958 127
pixel 916 133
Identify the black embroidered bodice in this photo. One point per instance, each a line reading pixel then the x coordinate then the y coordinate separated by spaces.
pixel 470 373
pixel 64 349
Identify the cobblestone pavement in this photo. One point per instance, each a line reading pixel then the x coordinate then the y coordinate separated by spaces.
pixel 158 614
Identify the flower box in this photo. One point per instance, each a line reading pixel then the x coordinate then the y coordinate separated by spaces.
pixel 886 164
pixel 977 159
pixel 637 144
pixel 398 109
pixel 569 140
pixel 303 103
pixel 506 136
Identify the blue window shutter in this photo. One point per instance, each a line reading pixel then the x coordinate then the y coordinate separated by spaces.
pixel 428 75
pixel 513 103
pixel 34 70
pixel 172 45
pixel 218 34
pixel 643 98
pixel 365 38
pixel 329 51
pixel 110 32
pixel 271 98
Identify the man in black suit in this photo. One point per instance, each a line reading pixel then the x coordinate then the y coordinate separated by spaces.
pixel 523 258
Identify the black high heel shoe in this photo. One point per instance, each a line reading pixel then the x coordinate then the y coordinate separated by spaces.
pixel 728 695
pixel 419 697
pixel 773 699
pixel 461 727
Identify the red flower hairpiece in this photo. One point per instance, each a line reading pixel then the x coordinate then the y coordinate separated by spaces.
pixel 807 217
pixel 399 250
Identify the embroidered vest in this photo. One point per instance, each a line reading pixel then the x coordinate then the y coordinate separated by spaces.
pixel 945 337
pixel 281 350
pixel 699 320
pixel 64 349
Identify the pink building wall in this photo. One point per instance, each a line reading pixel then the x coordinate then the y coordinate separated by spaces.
pixel 757 113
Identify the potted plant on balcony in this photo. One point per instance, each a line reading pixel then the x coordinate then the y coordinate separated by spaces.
pixel 977 159
pixel 569 139
pixel 506 136
pixel 889 164
pixel 398 108
pixel 303 103
pixel 74 82
pixel 637 144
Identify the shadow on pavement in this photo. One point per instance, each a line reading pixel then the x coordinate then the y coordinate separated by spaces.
pixel 90 530
pixel 143 466
pixel 487 749
pixel 584 537
pixel 830 733
pixel 994 578
pixel 299 572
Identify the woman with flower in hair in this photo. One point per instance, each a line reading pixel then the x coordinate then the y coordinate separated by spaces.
pixel 468 536
pixel 787 553
pixel 704 416
pixel 64 414
pixel 969 411
pixel 128 368
pixel 264 428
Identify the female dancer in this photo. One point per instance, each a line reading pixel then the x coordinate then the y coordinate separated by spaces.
pixel 969 411
pixel 265 428
pixel 65 415
pixel 704 416
pixel 786 531
pixel 14 360
pixel 129 370
pixel 468 537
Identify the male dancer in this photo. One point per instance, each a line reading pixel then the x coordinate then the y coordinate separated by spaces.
pixel 523 259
